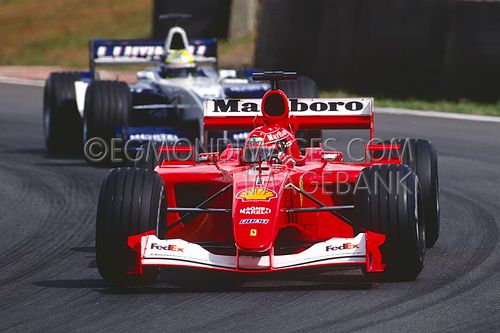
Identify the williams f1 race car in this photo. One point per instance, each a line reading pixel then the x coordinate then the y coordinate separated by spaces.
pixel 164 105
pixel 268 208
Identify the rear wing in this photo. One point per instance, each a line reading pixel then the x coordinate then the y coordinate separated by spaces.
pixel 137 51
pixel 315 113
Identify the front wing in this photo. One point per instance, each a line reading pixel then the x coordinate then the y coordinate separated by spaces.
pixel 362 250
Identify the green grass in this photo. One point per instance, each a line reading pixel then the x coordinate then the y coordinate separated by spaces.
pixel 236 52
pixel 460 106
pixel 56 32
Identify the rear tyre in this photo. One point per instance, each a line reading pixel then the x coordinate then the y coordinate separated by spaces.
pixel 132 201
pixel 421 156
pixel 388 201
pixel 62 123
pixel 108 105
pixel 303 87
pixel 191 130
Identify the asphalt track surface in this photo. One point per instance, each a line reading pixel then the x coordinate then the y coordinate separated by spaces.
pixel 49 282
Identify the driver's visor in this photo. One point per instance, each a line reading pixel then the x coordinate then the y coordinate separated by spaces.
pixel 255 153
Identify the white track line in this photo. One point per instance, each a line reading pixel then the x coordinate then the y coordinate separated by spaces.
pixel 21 81
pixel 408 112
pixel 434 114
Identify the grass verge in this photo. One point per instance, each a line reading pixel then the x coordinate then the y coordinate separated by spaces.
pixel 57 32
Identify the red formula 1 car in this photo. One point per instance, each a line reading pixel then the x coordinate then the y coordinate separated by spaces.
pixel 267 207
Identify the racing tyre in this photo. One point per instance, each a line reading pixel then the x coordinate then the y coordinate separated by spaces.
pixel 147 156
pixel 108 105
pixel 62 123
pixel 387 200
pixel 303 87
pixel 131 201
pixel 191 131
pixel 421 156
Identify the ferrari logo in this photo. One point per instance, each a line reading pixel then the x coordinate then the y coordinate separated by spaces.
pixel 256 194
pixel 253 232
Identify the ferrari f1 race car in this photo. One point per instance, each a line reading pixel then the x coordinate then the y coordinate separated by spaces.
pixel 164 105
pixel 268 208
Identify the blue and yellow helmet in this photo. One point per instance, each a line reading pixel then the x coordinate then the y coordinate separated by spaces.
pixel 179 59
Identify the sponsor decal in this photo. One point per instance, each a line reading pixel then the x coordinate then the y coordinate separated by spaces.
pixel 296 106
pixel 255 210
pixel 109 52
pixel 232 105
pixel 254 221
pixel 277 135
pixel 169 247
pixel 345 246
pixel 253 232
pixel 256 194
pixel 131 51
pixel 161 137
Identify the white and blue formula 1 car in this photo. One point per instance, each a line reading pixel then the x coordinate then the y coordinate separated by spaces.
pixel 166 102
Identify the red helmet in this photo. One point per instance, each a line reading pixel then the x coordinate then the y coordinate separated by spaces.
pixel 270 143
pixel 273 142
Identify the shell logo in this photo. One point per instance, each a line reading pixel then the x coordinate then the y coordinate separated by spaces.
pixel 256 194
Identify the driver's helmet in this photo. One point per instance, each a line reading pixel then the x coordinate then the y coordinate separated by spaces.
pixel 178 63
pixel 269 143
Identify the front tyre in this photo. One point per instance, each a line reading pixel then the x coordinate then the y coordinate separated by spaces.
pixel 387 200
pixel 131 202
pixel 421 156
pixel 62 123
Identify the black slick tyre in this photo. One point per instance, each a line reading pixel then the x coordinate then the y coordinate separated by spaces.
pixel 147 156
pixel 62 123
pixel 131 202
pixel 108 105
pixel 421 156
pixel 387 200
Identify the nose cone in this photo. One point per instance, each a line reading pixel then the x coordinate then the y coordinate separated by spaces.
pixel 255 216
